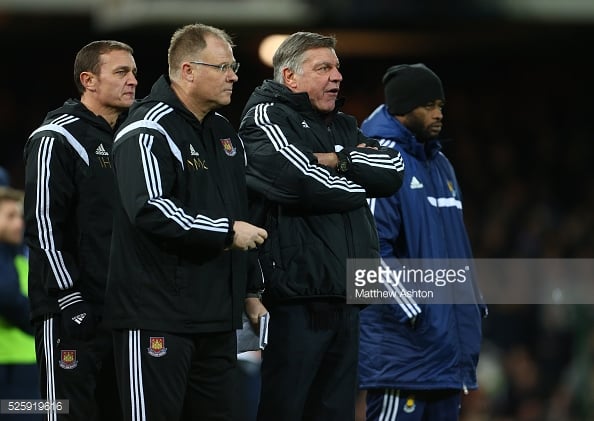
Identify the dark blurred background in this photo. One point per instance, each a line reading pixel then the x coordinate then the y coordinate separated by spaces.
pixel 519 117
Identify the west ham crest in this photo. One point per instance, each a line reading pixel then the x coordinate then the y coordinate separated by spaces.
pixel 228 147
pixel 68 359
pixel 157 346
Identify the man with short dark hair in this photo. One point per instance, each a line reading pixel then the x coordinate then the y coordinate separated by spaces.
pixel 69 192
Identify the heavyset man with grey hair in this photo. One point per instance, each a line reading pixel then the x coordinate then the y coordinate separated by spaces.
pixel 310 171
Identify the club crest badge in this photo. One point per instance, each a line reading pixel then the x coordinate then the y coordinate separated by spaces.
pixel 157 346
pixel 410 405
pixel 451 188
pixel 228 147
pixel 68 359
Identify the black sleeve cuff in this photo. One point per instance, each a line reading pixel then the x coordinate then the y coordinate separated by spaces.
pixel 230 235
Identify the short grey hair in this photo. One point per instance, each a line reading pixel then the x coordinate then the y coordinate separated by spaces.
pixel 290 53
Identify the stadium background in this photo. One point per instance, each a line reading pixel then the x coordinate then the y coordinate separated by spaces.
pixel 518 77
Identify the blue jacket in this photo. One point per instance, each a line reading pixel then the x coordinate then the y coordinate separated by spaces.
pixel 423 220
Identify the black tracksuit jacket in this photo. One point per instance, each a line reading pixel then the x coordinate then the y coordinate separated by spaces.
pixel 181 184
pixel 69 193
pixel 316 218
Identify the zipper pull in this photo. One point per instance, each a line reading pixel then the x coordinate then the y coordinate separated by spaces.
pixel 465 389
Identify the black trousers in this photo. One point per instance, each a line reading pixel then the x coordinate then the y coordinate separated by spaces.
pixel 81 372
pixel 167 377
pixel 309 368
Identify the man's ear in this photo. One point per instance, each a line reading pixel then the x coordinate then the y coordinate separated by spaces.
pixel 289 78
pixel 187 72
pixel 88 81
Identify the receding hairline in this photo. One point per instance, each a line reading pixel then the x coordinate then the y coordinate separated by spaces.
pixel 192 37
pixel 101 47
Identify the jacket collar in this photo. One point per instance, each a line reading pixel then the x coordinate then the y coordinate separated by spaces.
pixel 161 92
pixel 381 124
pixel 76 108
pixel 271 91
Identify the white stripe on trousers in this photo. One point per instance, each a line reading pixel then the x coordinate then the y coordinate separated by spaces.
pixel 48 351
pixel 390 405
pixel 136 385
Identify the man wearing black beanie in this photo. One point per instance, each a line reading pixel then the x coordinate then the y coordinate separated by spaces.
pixel 417 357
pixel 407 86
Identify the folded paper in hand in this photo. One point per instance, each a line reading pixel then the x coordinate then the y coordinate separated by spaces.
pixel 248 340
pixel 263 339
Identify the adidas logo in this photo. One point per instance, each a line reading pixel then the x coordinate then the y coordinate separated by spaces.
pixel 100 150
pixel 415 183
pixel 78 319
pixel 193 151
pixel 304 124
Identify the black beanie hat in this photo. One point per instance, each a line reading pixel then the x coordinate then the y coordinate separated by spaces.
pixel 407 86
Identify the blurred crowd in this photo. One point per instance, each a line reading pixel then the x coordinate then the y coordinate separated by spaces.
pixel 533 200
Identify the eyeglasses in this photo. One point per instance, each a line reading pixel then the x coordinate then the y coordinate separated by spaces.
pixel 222 67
